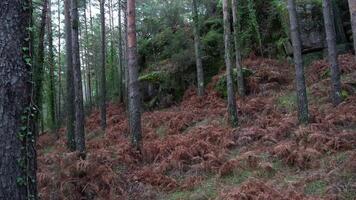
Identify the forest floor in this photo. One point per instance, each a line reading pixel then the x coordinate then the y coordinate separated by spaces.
pixel 190 152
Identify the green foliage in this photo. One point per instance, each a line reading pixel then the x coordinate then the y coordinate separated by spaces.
pixel 288 101
pixel 221 86
pixel 315 188
pixel 153 77
pixel 207 190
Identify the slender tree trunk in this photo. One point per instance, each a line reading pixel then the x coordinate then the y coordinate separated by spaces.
pixel 51 89
pixel 120 53
pixel 197 46
pixel 83 64
pixel 102 71
pixel 59 106
pixel 352 6
pixel 240 78
pixel 78 90
pixel 332 51
pixel 134 90
pixel 17 143
pixel 87 57
pixel 70 108
pixel 303 114
pixel 38 71
pixel 126 67
pixel 232 109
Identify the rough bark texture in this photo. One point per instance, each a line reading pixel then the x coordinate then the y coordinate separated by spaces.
pixel 232 109
pixel 70 108
pixel 332 52
pixel 102 71
pixel 352 6
pixel 240 78
pixel 17 142
pixel 134 90
pixel 197 46
pixel 78 90
pixel 303 114
pixel 51 89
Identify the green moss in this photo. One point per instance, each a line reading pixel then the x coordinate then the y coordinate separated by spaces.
pixel 288 101
pixel 315 188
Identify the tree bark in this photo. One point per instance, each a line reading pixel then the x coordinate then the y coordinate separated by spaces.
pixel 332 53
pixel 17 141
pixel 78 90
pixel 352 6
pixel 38 71
pixel 70 108
pixel 303 114
pixel 232 109
pixel 59 101
pixel 121 88
pixel 126 65
pixel 240 78
pixel 51 89
pixel 134 90
pixel 197 46
pixel 87 57
pixel 102 71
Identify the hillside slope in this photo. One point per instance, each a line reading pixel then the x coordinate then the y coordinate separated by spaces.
pixel 190 152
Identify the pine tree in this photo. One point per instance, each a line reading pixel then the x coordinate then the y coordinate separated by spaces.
pixel 78 90
pixel 197 47
pixel 51 87
pixel 232 109
pixel 70 107
pixel 134 90
pixel 332 53
pixel 240 78
pixel 303 114
pixel 17 139
pixel 102 71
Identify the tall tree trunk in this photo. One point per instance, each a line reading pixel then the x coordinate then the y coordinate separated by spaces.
pixel 126 65
pixel 17 143
pixel 197 46
pixel 102 71
pixel 70 108
pixel 120 53
pixel 332 51
pixel 352 6
pixel 59 101
pixel 78 90
pixel 38 71
pixel 240 78
pixel 92 58
pixel 87 57
pixel 134 90
pixel 303 114
pixel 51 89
pixel 232 109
